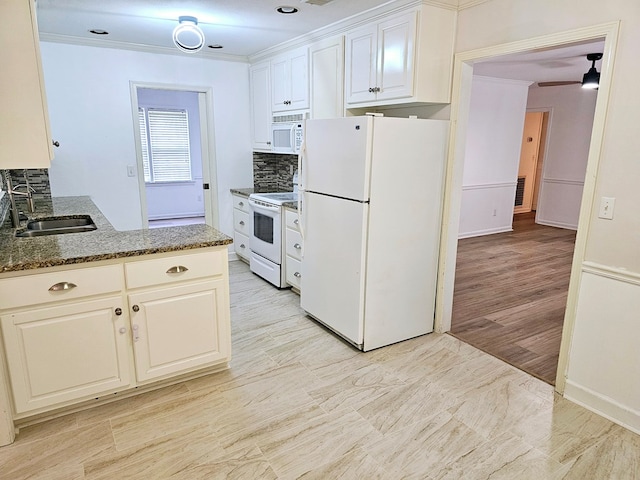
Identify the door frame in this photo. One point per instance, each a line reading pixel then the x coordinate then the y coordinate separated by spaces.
pixel 207 147
pixel 460 107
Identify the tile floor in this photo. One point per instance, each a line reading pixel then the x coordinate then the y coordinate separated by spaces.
pixel 299 403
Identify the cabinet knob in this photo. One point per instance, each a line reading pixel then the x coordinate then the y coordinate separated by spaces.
pixel 135 308
pixel 241 222
pixel 178 269
pixel 377 89
pixel 118 311
pixel 268 143
pixel 296 221
pixel 371 90
pixel 241 204
pixel 242 245
pixel 297 274
pixel 122 330
pixel 297 246
pixel 55 143
pixel 60 286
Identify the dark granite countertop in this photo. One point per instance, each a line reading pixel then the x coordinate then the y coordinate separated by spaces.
pixel 102 244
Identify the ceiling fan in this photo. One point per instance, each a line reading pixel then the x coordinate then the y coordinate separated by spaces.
pixel 591 79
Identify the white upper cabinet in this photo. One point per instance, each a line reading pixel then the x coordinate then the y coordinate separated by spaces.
pixel 25 137
pixel 380 60
pixel 403 59
pixel 326 73
pixel 290 81
pixel 259 81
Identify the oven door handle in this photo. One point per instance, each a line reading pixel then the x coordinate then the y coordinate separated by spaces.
pixel 259 206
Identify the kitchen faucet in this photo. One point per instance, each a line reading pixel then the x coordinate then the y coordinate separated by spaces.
pixel 28 193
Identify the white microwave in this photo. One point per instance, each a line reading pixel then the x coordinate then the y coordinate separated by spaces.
pixel 286 135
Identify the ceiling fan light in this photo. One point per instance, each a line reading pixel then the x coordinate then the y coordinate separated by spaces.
pixel 591 79
pixel 187 36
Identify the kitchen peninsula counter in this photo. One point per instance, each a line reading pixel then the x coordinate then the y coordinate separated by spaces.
pixel 104 243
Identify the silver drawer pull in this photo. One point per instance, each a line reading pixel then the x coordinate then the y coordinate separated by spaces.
pixel 242 245
pixel 297 274
pixel 297 246
pixel 59 287
pixel 296 221
pixel 177 269
pixel 241 222
pixel 241 204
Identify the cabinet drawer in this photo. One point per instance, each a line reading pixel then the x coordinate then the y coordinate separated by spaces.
pixel 241 244
pixel 294 244
pixel 62 285
pixel 293 272
pixel 241 203
pixel 176 268
pixel 292 219
pixel 242 222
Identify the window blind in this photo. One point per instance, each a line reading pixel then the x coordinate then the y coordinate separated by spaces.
pixel 167 156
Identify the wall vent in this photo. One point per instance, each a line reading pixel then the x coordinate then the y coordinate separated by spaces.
pixel 520 192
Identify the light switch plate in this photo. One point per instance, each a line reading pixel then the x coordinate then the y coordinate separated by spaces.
pixel 606 207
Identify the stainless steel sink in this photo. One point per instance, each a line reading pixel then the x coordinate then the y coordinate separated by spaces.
pixel 57 226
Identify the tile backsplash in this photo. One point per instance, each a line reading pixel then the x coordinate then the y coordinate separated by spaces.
pixel 272 172
pixel 38 179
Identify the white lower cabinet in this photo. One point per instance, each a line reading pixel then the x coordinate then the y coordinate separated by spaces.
pixel 178 329
pixel 242 226
pixel 293 249
pixel 62 353
pixel 71 335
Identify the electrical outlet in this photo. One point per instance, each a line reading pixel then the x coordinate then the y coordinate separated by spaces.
pixel 606 207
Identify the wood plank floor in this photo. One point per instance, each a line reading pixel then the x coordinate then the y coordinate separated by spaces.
pixel 510 294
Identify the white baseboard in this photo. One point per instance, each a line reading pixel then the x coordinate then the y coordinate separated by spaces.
pixel 603 406
pixel 551 223
pixel 488 231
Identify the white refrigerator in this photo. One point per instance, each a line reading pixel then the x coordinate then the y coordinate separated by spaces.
pixel 371 206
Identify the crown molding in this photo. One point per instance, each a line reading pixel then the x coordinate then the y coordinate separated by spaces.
pixel 464 4
pixel 343 26
pixel 102 43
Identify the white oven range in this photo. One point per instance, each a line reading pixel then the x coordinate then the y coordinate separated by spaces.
pixel 266 235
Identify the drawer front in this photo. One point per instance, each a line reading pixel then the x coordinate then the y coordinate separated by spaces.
pixel 292 219
pixel 241 244
pixel 294 244
pixel 241 203
pixel 293 272
pixel 242 222
pixel 62 285
pixel 175 268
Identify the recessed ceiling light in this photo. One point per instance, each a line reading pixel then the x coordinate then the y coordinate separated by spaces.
pixel 286 10
pixel 215 45
pixel 97 31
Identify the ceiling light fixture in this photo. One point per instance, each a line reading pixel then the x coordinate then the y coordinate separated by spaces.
pixel 591 79
pixel 187 36
pixel 286 10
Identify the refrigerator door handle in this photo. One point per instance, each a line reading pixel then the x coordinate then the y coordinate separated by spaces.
pixel 301 184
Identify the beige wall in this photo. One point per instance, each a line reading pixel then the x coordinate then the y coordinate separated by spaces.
pixel 604 358
pixel 502 21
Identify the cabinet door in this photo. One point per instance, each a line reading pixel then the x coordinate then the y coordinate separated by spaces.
pixel 326 66
pixel 179 329
pixel 25 139
pixel 65 353
pixel 260 106
pixel 280 88
pixel 299 80
pixel 360 61
pixel 396 45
